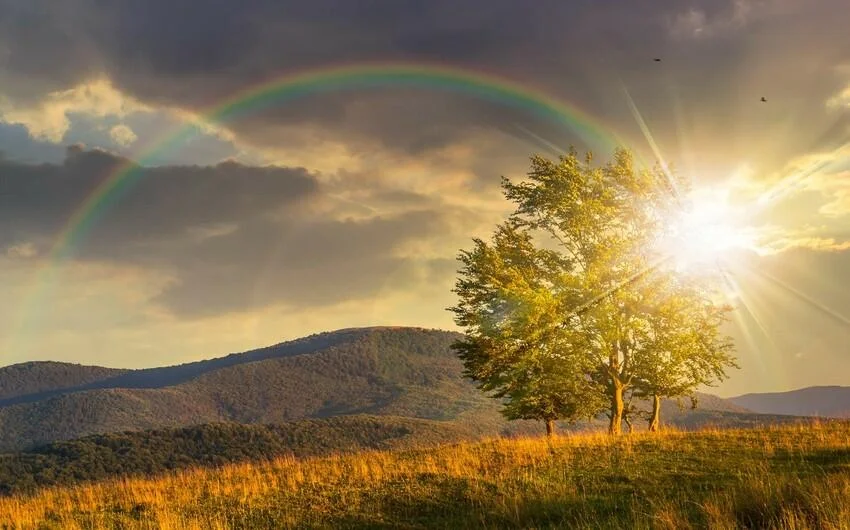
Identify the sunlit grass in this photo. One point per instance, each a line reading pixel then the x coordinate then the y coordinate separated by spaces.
pixel 781 477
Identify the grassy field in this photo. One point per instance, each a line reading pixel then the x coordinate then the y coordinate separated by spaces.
pixel 781 477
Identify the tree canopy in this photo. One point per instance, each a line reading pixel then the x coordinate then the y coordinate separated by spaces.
pixel 570 306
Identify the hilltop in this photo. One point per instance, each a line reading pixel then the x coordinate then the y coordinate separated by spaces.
pixel 823 401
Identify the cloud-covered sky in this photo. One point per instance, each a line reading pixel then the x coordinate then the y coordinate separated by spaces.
pixel 347 208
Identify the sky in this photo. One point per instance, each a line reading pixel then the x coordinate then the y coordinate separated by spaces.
pixel 339 204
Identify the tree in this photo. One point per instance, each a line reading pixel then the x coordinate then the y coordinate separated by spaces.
pixel 509 294
pixel 570 307
pixel 687 348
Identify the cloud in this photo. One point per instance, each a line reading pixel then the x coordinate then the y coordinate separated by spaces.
pixel 305 264
pixel 834 185
pixel 841 99
pixel 820 244
pixel 22 251
pixel 168 58
pixel 122 135
pixel 706 19
pixel 164 202
pixel 700 23
pixel 232 238
pixel 49 119
pixel 692 23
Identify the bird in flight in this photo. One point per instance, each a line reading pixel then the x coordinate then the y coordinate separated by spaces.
pixel 764 99
pixel 657 60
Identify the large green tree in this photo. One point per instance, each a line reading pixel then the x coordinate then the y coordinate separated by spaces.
pixel 510 298
pixel 568 309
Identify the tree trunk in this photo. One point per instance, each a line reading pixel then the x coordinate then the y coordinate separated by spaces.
pixel 628 421
pixel 617 407
pixel 550 428
pixel 655 419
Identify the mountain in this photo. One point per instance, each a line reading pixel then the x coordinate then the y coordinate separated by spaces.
pixel 407 372
pixel 381 371
pixel 822 401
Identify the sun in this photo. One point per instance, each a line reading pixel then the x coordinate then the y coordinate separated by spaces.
pixel 705 231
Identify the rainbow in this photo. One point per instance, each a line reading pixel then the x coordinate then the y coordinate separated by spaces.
pixel 289 87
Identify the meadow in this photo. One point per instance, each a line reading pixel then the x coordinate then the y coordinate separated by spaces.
pixel 792 476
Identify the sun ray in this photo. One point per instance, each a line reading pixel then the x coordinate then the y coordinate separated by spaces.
pixel 540 141
pixel 685 151
pixel 741 314
pixel 671 183
pixel 750 305
pixel 835 315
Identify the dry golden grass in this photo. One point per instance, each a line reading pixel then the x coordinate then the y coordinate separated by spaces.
pixel 781 477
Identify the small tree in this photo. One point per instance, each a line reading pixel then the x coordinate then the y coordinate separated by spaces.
pixel 685 347
pixel 567 308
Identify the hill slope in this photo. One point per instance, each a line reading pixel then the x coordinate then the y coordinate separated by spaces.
pixel 409 372
pixel 823 401
pixel 386 371
pixel 771 478
pixel 143 453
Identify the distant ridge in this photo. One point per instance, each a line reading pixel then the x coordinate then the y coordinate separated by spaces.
pixel 37 377
pixel 821 401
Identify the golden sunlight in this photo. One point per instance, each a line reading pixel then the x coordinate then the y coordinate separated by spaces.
pixel 707 230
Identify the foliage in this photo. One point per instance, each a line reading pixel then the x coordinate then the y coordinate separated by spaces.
pixel 789 477
pixel 569 307
pixel 509 300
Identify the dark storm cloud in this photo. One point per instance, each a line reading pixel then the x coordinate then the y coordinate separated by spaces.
pixel 718 55
pixel 36 201
pixel 46 47
pixel 232 237
pixel 302 263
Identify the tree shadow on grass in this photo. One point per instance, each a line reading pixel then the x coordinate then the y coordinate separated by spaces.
pixel 836 460
pixel 448 502
pixel 830 460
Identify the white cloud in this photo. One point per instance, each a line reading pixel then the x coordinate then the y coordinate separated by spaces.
pixel 839 206
pixel 822 244
pixel 201 233
pixel 50 119
pixel 835 187
pixel 841 99
pixel 696 23
pixel 693 23
pixel 122 135
pixel 22 251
